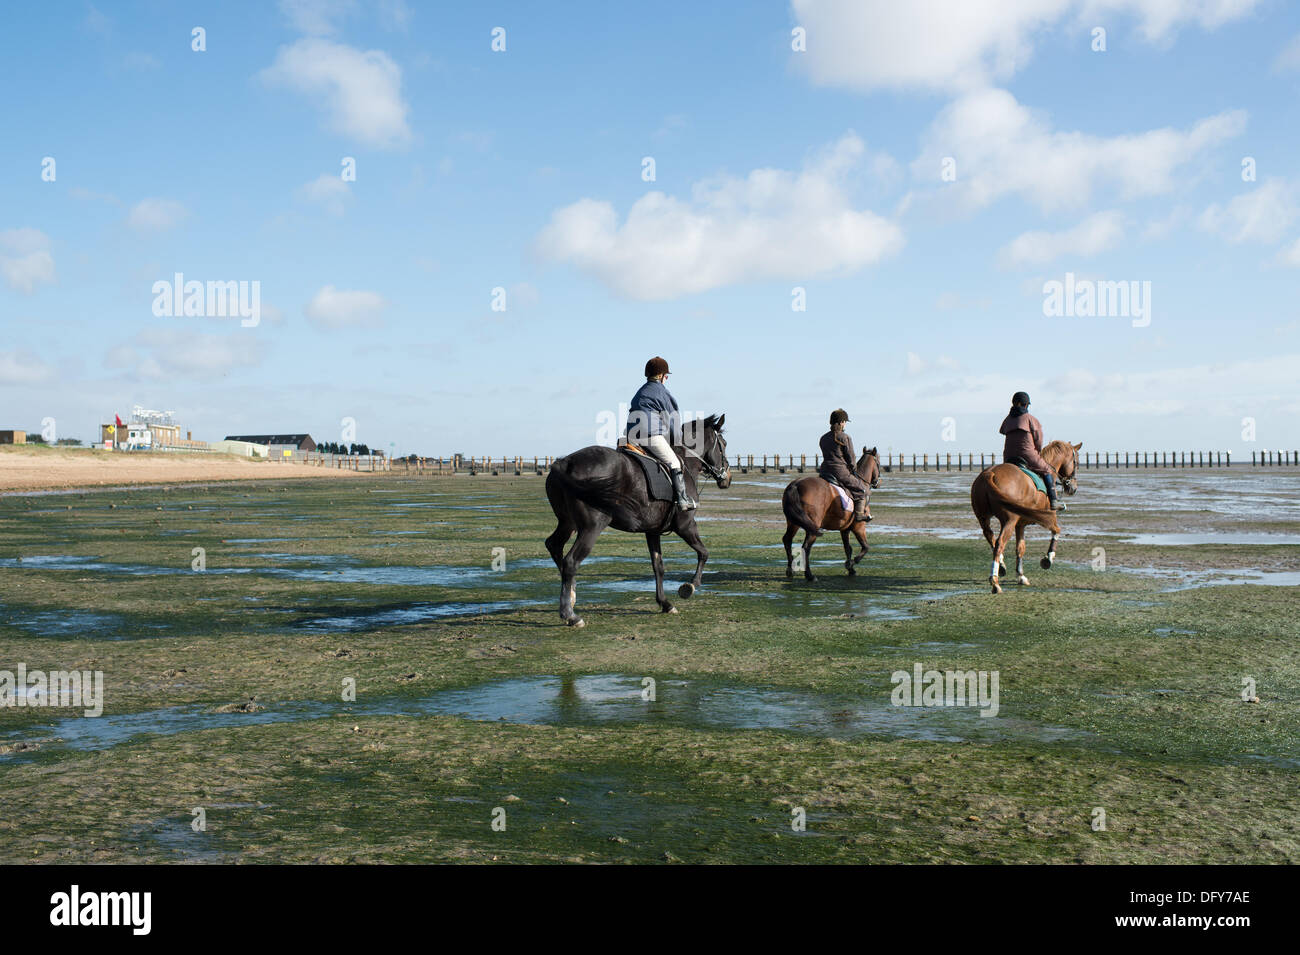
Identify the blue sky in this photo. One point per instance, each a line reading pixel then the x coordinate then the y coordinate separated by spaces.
pixel 774 169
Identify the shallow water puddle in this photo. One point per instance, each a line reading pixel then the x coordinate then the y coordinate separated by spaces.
pixel 1212 537
pixel 586 701
pixel 405 614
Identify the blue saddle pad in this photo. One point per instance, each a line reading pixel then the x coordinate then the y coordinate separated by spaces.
pixel 1038 481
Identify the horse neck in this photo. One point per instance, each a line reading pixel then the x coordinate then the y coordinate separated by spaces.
pixel 1055 455
pixel 864 467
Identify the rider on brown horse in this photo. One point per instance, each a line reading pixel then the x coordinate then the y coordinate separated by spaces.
pixel 1024 442
pixel 838 461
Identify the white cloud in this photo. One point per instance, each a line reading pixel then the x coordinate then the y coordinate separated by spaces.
pixel 916 365
pixel 946 45
pixel 19 367
pixel 25 259
pixel 1288 61
pixel 329 191
pixel 1095 234
pixel 1261 215
pixel 361 92
pixel 1290 255
pixel 317 17
pixel 1256 383
pixel 155 215
pixel 771 224
pixel 172 354
pixel 341 308
pixel 1002 148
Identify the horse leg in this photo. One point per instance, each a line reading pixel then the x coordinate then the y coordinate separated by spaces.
pixel 569 570
pixel 1004 535
pixel 809 538
pixel 555 543
pixel 1046 562
pixel 657 562
pixel 1021 579
pixel 860 532
pixel 848 552
pixel 690 533
pixel 790 528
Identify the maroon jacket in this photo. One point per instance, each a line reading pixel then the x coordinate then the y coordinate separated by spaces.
pixel 1024 440
pixel 838 462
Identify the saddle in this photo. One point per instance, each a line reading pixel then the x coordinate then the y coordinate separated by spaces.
pixel 659 485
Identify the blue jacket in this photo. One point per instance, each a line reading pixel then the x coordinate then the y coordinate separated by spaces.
pixel 654 411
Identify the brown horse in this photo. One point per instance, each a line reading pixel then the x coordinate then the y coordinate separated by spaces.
pixel 1007 493
pixel 812 504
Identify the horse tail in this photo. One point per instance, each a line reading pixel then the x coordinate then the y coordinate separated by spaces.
pixel 1039 515
pixel 792 504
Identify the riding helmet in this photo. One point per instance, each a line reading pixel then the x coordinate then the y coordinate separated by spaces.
pixel 1021 399
pixel 655 367
pixel 839 416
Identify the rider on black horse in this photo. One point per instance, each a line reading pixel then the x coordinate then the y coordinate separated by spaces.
pixel 1024 444
pixel 838 463
pixel 655 424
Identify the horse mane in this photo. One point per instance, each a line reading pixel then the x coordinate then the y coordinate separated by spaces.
pixel 1065 446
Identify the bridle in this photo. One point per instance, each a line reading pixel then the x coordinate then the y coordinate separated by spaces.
pixel 710 469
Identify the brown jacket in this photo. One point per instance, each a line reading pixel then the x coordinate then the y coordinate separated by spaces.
pixel 838 461
pixel 1024 440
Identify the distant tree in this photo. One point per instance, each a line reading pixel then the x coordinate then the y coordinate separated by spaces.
pixel 70 442
pixel 36 438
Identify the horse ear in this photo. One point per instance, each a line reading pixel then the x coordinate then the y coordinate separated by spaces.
pixel 1078 446
pixel 721 418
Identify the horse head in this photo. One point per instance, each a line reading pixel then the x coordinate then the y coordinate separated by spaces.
pixel 868 468
pixel 703 439
pixel 1064 459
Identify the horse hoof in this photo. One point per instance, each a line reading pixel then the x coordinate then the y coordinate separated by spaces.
pixel 789 572
pixel 686 591
pixel 997 588
pixel 577 623
pixel 810 578
pixel 1045 563
pixel 1022 580
pixel 852 572
pixel 1002 570
pixel 669 608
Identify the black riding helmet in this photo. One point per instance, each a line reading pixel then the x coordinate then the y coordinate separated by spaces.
pixel 839 416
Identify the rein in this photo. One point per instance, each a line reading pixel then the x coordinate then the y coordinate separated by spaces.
pixel 709 469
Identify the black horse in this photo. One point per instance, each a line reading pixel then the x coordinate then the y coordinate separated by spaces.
pixel 601 487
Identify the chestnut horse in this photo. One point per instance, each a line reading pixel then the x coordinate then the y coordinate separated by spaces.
pixel 812 504
pixel 1008 493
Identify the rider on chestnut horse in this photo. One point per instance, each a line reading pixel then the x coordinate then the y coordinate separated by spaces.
pixel 1024 444
pixel 655 424
pixel 838 462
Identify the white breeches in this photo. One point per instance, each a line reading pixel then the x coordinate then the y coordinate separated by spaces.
pixel 658 446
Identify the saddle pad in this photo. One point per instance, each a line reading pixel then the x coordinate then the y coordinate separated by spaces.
pixel 1038 481
pixel 658 484
pixel 846 501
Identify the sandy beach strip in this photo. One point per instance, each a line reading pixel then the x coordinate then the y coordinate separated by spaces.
pixel 27 468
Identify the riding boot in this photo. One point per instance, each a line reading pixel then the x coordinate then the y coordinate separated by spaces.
pixel 682 499
pixel 1052 502
pixel 860 510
